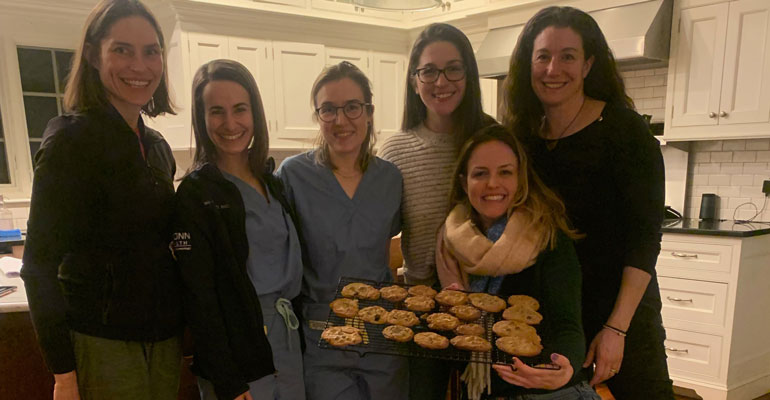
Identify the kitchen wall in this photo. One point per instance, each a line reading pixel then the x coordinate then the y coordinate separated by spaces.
pixel 733 169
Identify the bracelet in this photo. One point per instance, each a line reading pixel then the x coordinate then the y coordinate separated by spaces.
pixel 619 332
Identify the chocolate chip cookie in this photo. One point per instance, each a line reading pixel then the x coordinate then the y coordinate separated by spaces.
pixel 487 302
pixel 340 336
pixel 345 308
pixel 451 297
pixel 472 343
pixel 431 340
pixel 398 333
pixel 373 315
pixel 442 322
pixel 393 293
pixel 361 291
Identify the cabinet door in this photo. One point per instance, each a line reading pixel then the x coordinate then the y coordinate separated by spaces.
pixel 389 82
pixel 347 7
pixel 359 58
pixel 204 48
pixel 297 65
pixel 699 58
pixel 254 55
pixel 298 3
pixel 746 83
pixel 489 96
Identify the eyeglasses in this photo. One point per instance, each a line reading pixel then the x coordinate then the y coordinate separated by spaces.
pixel 453 73
pixel 352 110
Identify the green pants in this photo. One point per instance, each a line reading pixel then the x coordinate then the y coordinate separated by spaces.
pixel 118 369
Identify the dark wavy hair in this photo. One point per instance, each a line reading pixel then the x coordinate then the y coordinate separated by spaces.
pixel 469 115
pixel 524 111
pixel 205 150
pixel 545 207
pixel 334 73
pixel 84 89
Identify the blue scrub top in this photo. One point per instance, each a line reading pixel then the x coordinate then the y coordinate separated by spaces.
pixel 274 263
pixel 344 236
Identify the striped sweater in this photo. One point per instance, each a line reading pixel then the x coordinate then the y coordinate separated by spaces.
pixel 426 161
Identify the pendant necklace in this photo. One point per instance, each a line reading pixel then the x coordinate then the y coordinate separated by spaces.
pixel 551 143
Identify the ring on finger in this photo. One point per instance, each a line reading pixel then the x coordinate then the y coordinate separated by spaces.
pixel 613 371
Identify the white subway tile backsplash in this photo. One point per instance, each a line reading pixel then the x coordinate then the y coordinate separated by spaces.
pixel 719 180
pixel 708 168
pixel 642 93
pixel 659 91
pixel 758 144
pixel 661 71
pixel 628 74
pixel 656 102
pixel 734 202
pixel 698 191
pixel 657 80
pixel 751 191
pixel 731 168
pixel 707 145
pixel 729 191
pixel 745 156
pixel 645 72
pixel 636 82
pixel 734 145
pixel 721 156
pixel 702 180
pixel 754 168
pixel 741 180
pixel 763 156
pixel 760 179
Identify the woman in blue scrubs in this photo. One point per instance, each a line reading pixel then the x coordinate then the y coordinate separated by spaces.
pixel 348 202
pixel 237 247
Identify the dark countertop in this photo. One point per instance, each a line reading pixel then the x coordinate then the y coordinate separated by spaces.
pixel 720 227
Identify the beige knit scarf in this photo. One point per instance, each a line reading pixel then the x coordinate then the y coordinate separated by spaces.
pixel 517 248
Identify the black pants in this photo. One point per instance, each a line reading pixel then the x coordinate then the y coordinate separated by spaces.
pixel 428 378
pixel 643 373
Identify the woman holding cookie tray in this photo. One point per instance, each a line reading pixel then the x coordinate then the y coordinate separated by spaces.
pixel 567 104
pixel 348 203
pixel 507 234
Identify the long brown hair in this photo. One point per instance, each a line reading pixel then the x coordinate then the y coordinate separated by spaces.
pixel 531 195
pixel 332 74
pixel 524 110
pixel 469 115
pixel 84 88
pixel 205 150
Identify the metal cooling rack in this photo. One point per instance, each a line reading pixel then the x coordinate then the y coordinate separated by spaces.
pixel 375 342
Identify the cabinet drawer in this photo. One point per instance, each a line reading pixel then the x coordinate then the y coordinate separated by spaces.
pixel 695 257
pixel 693 355
pixel 693 301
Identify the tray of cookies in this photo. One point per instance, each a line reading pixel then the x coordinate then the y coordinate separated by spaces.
pixel 416 321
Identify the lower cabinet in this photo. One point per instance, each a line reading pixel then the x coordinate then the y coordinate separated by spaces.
pixel 715 292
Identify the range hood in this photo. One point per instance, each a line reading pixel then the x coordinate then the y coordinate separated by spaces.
pixel 638 34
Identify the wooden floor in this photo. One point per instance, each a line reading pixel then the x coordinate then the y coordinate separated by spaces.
pixel 606 395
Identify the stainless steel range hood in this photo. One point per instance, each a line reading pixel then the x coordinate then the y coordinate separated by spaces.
pixel 638 34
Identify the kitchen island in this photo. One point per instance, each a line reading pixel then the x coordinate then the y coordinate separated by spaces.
pixel 714 279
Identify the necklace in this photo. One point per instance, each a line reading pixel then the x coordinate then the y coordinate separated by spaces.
pixel 551 143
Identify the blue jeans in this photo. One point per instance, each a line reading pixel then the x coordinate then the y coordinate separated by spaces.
pixel 581 391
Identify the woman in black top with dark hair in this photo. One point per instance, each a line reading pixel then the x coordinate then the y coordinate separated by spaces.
pixel 567 103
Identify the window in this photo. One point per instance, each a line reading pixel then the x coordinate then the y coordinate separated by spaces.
pixel 43 76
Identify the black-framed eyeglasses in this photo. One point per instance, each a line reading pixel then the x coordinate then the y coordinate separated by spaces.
pixel 352 110
pixel 452 72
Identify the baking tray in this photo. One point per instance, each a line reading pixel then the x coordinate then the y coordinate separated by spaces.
pixel 375 342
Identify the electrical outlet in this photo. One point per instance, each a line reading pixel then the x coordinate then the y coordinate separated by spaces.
pixel 766 188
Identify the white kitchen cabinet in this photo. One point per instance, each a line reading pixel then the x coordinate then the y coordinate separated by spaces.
pixel 296 67
pixel 719 72
pixel 389 81
pixel 715 296
pixel 359 58
pixel 255 55
pixel 347 7
pixel 447 8
pixel 298 3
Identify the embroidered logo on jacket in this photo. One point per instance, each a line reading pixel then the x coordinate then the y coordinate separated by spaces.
pixel 181 242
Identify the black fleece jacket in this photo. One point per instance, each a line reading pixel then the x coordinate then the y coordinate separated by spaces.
pixel 220 302
pixel 96 258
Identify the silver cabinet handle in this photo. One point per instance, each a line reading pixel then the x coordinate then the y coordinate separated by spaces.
pixel 683 255
pixel 677 350
pixel 712 115
pixel 722 114
pixel 678 299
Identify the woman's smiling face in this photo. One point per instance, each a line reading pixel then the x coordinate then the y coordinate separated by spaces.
pixel 229 119
pixel 441 97
pixel 491 180
pixel 558 66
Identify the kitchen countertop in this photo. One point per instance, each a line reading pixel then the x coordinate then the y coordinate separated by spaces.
pixel 16 301
pixel 715 228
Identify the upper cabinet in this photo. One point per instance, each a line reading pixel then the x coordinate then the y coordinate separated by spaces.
pixel 447 9
pixel 296 67
pixel 719 72
pixel 389 80
pixel 347 7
